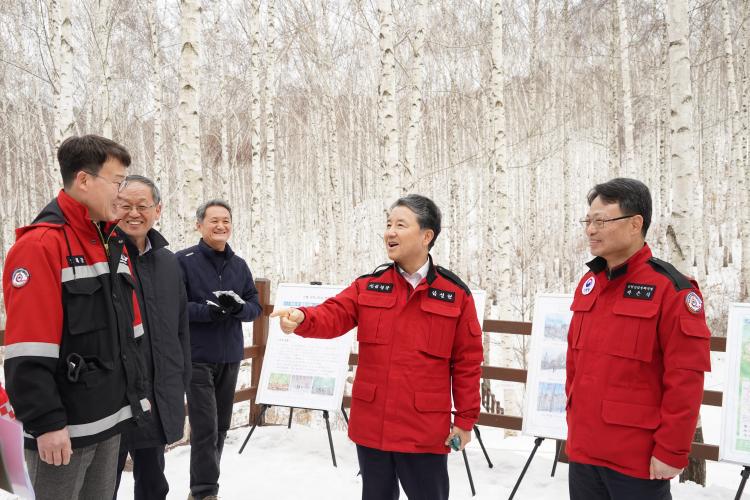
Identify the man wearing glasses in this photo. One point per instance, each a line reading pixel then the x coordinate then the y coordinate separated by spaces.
pixel 72 364
pixel 638 346
pixel 166 344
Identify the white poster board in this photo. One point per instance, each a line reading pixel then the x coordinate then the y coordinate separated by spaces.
pixel 544 402
pixel 734 445
pixel 300 372
pixel 12 462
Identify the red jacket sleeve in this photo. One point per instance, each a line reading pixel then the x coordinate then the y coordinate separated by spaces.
pixel 685 341
pixel 33 331
pixel 333 318
pixel 466 367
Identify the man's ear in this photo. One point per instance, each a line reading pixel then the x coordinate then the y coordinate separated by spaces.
pixel 636 222
pixel 429 235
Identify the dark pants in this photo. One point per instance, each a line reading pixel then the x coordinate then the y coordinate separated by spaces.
pixel 90 475
pixel 592 482
pixel 424 476
pixel 148 473
pixel 210 398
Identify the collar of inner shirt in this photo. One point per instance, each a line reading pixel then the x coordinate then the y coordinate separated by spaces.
pixel 416 277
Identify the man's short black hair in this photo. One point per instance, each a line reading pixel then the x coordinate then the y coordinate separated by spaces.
pixel 632 195
pixel 428 214
pixel 88 152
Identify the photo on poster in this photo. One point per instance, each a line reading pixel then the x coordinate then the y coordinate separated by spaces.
pixel 544 401
pixel 735 429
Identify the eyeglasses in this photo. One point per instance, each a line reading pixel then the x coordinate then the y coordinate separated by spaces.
pixel 599 223
pixel 120 185
pixel 139 208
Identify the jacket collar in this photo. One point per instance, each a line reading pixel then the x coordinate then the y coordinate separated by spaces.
pixel 599 264
pixel 209 252
pixel 66 210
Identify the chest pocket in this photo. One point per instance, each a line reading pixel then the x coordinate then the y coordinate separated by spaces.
pixel 85 306
pixel 375 324
pixel 633 332
pixel 439 329
pixel 580 306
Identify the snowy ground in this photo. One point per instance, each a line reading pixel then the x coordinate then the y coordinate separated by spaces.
pixel 296 464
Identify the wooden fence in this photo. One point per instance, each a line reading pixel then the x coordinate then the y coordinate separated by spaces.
pixel 494 418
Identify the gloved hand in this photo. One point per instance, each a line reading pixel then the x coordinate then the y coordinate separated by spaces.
pixel 231 304
pixel 217 312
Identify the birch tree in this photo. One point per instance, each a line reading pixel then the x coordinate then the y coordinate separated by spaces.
pixel 189 97
pixel 387 111
pixel 63 96
pixel 415 94
pixel 628 167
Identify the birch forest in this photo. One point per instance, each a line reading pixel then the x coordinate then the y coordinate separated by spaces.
pixel 311 116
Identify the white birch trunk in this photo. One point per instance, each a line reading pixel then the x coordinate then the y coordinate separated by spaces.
pixel 390 175
pixel 189 119
pixel 102 37
pixel 271 246
pixel 257 192
pixel 683 158
pixel 64 118
pixel 157 163
pixel 627 94
pixel 415 95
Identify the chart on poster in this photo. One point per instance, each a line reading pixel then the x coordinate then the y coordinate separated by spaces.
pixel 544 403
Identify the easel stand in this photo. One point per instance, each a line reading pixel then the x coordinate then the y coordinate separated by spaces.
pixel 537 443
pixel 745 473
pixel 326 416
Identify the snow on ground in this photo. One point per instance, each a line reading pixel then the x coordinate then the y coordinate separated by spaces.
pixel 280 463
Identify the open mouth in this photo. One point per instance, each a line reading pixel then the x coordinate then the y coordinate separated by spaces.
pixel 392 244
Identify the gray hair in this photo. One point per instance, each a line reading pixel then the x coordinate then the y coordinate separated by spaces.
pixel 155 193
pixel 428 214
pixel 200 214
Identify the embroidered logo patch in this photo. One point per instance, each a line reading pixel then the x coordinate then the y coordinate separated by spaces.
pixel 20 277
pixel 76 260
pixel 693 303
pixel 588 285
pixel 380 287
pixel 639 291
pixel 124 259
pixel 443 295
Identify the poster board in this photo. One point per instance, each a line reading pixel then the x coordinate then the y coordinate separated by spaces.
pixel 544 401
pixel 734 443
pixel 13 475
pixel 310 373
pixel 300 372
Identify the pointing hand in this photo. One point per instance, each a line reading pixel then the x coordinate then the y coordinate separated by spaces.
pixel 290 319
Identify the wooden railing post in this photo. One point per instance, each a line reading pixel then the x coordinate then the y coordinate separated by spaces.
pixel 260 338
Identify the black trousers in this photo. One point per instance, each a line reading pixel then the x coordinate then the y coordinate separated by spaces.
pixel 210 398
pixel 424 476
pixel 148 473
pixel 593 482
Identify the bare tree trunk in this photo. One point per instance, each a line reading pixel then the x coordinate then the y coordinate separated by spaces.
pixel 189 97
pixel 627 93
pixel 415 95
pixel 64 119
pixel 270 119
pixel 102 37
pixel 387 106
pixel 157 163
pixel 258 187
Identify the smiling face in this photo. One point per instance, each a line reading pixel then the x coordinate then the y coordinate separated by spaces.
pixel 98 191
pixel 405 242
pixel 617 240
pixel 216 227
pixel 137 211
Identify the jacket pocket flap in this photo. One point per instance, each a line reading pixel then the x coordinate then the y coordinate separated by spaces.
pixel 376 299
pixel 631 415
pixel 438 307
pixel 636 308
pixel 364 391
pixel 694 328
pixel 84 286
pixel 432 401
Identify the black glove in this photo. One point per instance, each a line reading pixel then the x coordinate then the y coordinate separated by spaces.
pixel 230 304
pixel 217 313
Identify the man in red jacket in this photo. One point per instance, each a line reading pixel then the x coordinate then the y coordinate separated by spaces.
pixel 638 346
pixel 420 343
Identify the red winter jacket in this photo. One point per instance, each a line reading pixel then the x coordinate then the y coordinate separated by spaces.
pixel 638 345
pixel 6 410
pixel 71 357
pixel 416 349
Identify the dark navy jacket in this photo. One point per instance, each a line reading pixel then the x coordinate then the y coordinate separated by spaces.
pixel 205 271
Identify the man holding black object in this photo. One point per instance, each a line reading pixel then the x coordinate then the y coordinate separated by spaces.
pixel 221 295
pixel 638 346
pixel 420 343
